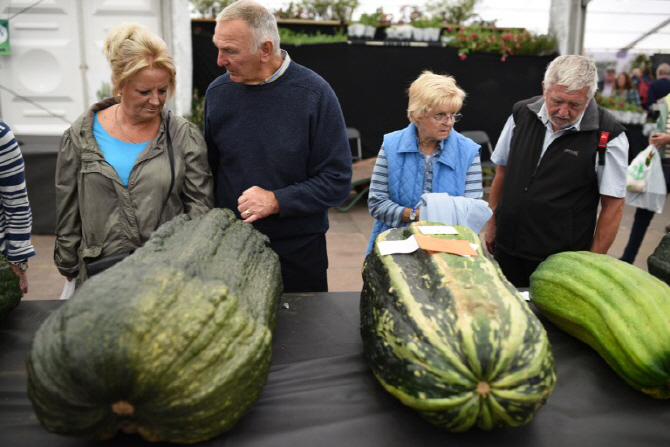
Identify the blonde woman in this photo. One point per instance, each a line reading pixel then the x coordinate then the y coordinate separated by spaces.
pixel 117 179
pixel 428 156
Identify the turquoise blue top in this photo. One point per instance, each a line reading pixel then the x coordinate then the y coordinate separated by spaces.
pixel 120 155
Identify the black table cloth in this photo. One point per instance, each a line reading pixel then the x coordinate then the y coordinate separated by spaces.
pixel 320 392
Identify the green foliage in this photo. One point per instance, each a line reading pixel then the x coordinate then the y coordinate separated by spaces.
pixel 641 61
pixel 454 12
pixel 616 103
pixel 210 8
pixel 419 19
pixel 340 10
pixel 197 115
pixel 104 92
pixel 506 42
pixel 290 37
pixel 376 19
pixel 296 10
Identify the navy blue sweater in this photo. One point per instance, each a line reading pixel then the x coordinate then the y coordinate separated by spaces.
pixel 287 136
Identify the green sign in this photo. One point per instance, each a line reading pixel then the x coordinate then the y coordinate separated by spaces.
pixel 4 37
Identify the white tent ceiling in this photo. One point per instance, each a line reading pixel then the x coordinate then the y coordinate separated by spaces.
pixel 610 24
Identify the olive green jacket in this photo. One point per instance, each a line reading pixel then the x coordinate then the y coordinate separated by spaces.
pixel 96 215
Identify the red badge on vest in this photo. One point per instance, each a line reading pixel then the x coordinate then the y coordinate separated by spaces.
pixel 603 139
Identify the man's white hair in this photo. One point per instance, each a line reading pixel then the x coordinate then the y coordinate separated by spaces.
pixel 572 72
pixel 262 23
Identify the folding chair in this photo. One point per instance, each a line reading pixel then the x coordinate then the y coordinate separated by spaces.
pixel 481 137
pixel 360 182
pixel 354 134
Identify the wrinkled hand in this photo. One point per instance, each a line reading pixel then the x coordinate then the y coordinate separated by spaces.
pixel 256 203
pixel 23 279
pixel 659 138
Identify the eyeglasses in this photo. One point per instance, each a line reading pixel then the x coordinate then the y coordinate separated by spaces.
pixel 444 117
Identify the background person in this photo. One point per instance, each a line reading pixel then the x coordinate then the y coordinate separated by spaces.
pixel 659 87
pixel 625 91
pixel 608 84
pixel 661 139
pixel 113 171
pixel 428 156
pixel 641 77
pixel 15 215
pixel 550 180
pixel 277 143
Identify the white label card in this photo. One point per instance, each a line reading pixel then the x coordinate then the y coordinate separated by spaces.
pixel 437 229
pixel 409 245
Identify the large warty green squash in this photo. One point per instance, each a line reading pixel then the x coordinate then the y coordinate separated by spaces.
pixel 450 337
pixel 619 310
pixel 174 342
pixel 10 290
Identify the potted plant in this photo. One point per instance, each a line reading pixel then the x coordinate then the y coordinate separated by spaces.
pixel 426 29
pixel 453 12
pixel 367 24
pixel 342 10
pixel 209 8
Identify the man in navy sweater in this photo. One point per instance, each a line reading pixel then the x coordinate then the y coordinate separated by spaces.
pixel 277 143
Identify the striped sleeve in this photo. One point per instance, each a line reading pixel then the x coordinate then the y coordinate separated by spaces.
pixel 380 205
pixel 15 214
pixel 473 180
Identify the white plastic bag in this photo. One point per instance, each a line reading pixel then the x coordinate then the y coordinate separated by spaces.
pixel 652 197
pixel 639 169
pixel 68 290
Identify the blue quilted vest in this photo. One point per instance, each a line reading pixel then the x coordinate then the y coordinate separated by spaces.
pixel 406 169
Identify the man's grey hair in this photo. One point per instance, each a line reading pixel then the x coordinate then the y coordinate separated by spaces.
pixel 663 70
pixel 573 73
pixel 261 22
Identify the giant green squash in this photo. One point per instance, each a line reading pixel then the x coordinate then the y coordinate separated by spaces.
pixel 658 263
pixel 10 291
pixel 451 338
pixel 619 310
pixel 174 342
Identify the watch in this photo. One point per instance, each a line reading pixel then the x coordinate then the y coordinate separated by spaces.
pixel 412 215
pixel 21 265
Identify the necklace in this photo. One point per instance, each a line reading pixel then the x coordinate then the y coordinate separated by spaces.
pixel 118 124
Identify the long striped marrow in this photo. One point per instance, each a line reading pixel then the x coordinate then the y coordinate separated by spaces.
pixel 451 338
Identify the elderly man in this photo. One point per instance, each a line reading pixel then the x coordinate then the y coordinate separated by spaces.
pixel 559 156
pixel 660 87
pixel 277 143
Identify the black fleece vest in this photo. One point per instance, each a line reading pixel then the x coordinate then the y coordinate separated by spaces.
pixel 551 207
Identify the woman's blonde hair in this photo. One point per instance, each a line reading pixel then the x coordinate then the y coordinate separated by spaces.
pixel 129 48
pixel 431 90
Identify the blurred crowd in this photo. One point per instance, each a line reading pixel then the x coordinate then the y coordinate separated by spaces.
pixel 640 87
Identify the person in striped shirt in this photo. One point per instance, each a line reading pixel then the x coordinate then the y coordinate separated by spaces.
pixel 15 216
pixel 428 156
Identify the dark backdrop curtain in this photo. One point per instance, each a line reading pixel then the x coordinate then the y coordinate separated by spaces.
pixel 371 81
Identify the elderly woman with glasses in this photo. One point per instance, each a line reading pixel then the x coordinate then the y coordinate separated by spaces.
pixel 428 156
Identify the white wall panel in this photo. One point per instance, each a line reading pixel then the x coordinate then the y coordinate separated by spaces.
pixel 102 15
pixel 44 67
pixel 57 62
